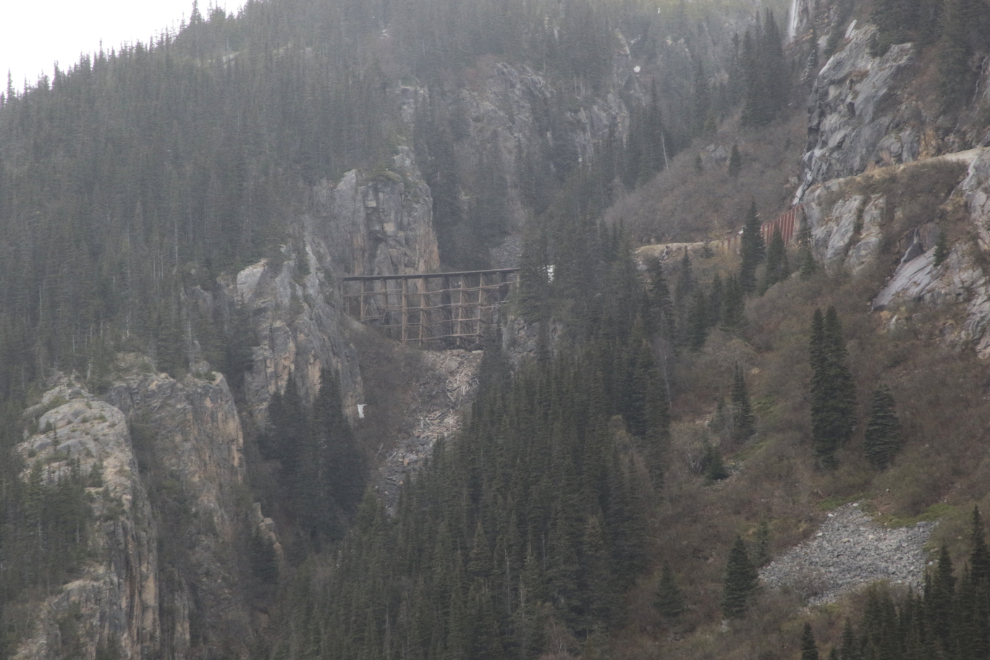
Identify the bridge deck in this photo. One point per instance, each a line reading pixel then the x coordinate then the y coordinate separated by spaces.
pixel 436 310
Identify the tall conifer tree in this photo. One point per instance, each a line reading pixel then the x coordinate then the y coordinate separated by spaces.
pixel 809 649
pixel 833 392
pixel 883 431
pixel 778 268
pixel 668 601
pixel 752 250
pixel 741 580
pixel 743 420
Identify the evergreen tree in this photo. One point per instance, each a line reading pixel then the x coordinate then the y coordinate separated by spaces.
pixel 979 558
pixel 765 72
pixel 761 557
pixel 668 601
pixel 734 307
pixel 596 581
pixel 683 293
pixel 896 21
pixel 806 257
pixel 697 320
pixel 833 392
pixel 952 55
pixel 648 150
pixel 741 581
pixel 716 301
pixel 778 268
pixel 735 161
pixel 752 250
pixel 929 21
pixel 850 645
pixel 941 248
pixel 661 318
pixel 743 420
pixel 702 98
pixel 714 465
pixel 939 597
pixel 685 280
pixel 809 649
pixel 883 431
pixel 343 469
pixel 264 561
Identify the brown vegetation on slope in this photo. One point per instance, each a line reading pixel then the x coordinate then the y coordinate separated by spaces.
pixel 942 396
pixel 684 204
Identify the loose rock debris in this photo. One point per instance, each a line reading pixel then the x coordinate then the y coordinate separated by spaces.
pixel 447 384
pixel 848 551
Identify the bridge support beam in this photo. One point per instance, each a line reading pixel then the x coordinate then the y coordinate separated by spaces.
pixel 431 310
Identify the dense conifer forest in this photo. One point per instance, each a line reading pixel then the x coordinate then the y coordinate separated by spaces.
pixel 610 494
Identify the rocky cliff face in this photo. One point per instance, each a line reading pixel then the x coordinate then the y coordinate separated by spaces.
pixel 959 285
pixel 116 595
pixel 510 112
pixel 850 219
pixel 197 443
pixel 845 226
pixel 512 115
pixel 859 114
pixel 152 446
pixel 378 224
pixel 298 324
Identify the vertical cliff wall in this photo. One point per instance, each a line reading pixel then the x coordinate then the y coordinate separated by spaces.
pixel 368 224
pixel 114 597
pixel 164 468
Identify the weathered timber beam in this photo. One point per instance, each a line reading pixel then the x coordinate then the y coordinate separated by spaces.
pixel 427 276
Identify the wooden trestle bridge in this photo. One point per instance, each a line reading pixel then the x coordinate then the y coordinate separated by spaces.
pixel 435 310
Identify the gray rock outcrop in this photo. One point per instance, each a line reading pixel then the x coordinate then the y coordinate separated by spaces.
pixel 960 280
pixel 124 597
pixel 115 594
pixel 445 386
pixel 848 219
pixel 363 225
pixel 377 225
pixel 856 113
pixel 845 227
pixel 299 325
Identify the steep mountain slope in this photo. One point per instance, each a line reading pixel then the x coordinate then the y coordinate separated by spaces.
pixel 190 473
pixel 210 189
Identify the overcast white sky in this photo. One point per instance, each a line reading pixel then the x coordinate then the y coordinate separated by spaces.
pixel 33 35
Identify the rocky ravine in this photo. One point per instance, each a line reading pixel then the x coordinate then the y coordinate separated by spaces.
pixel 444 389
pixel 849 551
pixel 379 226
